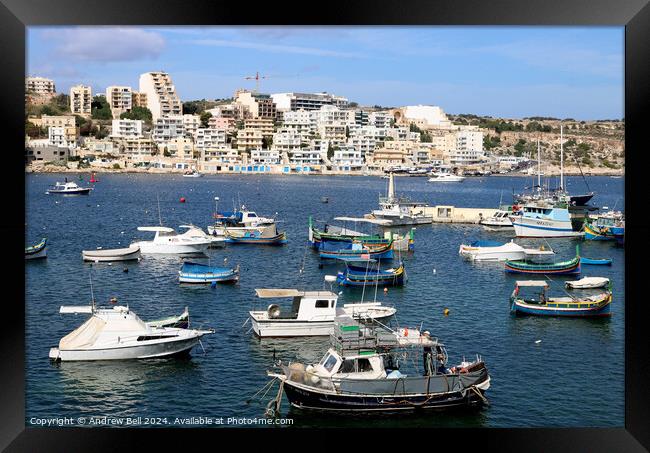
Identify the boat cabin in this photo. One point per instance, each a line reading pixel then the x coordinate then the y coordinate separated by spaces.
pixel 531 286
pixel 306 305
pixel 536 211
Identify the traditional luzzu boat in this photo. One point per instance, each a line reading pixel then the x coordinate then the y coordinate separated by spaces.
pixel 360 275
pixel 568 267
pixel 36 251
pixel 202 273
pixel 267 236
pixel 334 233
pixel 355 250
pixel 374 369
pixel 590 306
pixel 608 226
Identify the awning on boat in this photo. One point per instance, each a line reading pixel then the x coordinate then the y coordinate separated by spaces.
pixel 363 219
pixel 533 283
pixel 156 228
pixel 264 293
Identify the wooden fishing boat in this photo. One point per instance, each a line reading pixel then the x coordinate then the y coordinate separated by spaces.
pixel 568 267
pixel 360 275
pixel 256 237
pixel 345 250
pixel 333 233
pixel 36 251
pixel 107 255
pixel 202 273
pixel 601 262
pixel 588 306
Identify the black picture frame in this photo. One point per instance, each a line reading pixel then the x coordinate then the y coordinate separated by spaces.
pixel 15 15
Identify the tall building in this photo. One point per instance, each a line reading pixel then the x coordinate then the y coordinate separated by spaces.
pixel 307 101
pixel 168 128
pixel 80 100
pixel 259 105
pixel 127 128
pixel 39 85
pixel 162 98
pixel 138 99
pixel 120 99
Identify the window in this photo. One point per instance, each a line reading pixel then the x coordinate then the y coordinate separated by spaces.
pixel 329 363
pixel 363 365
pixel 347 367
pixel 322 303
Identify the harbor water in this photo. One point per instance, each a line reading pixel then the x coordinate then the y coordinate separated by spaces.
pixel 546 372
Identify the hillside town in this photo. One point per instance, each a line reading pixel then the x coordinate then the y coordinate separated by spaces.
pixel 152 129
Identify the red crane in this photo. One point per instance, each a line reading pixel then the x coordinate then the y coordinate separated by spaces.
pixel 257 78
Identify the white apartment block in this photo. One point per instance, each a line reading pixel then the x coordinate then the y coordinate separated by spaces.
pixel 167 128
pixel 248 139
pixel 287 140
pixel 381 120
pixel 365 145
pixel 180 147
pixel 210 138
pixel 265 156
pixel 63 137
pixel 192 124
pixel 265 125
pixel 127 128
pixel 120 99
pixel 162 98
pixel 213 157
pixel 332 115
pixel 39 85
pixel 346 159
pixel 403 133
pixel 307 101
pixel 300 120
pixel 306 157
pixel 80 100
pixel 469 147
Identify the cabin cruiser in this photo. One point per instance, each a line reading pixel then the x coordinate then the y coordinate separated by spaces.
pixel 543 220
pixel 499 220
pixel 400 210
pixel 312 313
pixel 117 333
pixel 68 188
pixel 496 251
pixel 167 241
pixel 445 177
pixel 373 368
pixel 192 174
pixel 194 232
pixel 242 220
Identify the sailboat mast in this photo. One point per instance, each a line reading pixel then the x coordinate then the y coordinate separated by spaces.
pixel 159 216
pixel 539 167
pixel 561 158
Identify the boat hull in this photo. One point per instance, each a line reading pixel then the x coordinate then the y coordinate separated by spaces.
pixel 207 278
pixel 70 192
pixel 542 228
pixel 40 254
pixel 147 247
pixel 105 255
pixel 515 267
pixel 602 309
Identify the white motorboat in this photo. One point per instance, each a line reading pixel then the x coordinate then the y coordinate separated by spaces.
pixel 400 211
pixel 195 232
pixel 496 251
pixel 70 188
pixel 445 177
pixel 312 313
pixel 192 174
pixel 499 220
pixel 543 220
pixel 167 241
pixel 116 333
pixel 588 283
pixel 123 254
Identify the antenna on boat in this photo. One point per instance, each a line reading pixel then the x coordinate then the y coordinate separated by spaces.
pixel 92 293
pixel 159 216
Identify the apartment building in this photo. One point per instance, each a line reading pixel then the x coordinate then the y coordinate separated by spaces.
pixel 127 128
pixel 300 120
pixel 469 147
pixel 135 148
pixel 264 156
pixel 210 138
pixel 167 128
pixel 80 100
pixel 120 99
pixel 307 101
pixel 222 123
pixel 63 137
pixel 212 159
pixel 259 105
pixel 287 140
pixel 138 99
pixel 248 139
pixel 402 133
pixel 179 148
pixel 192 124
pixel 347 158
pixel 162 99
pixel 39 85
pixel 380 120
pixel 306 157
pixel 264 125
pixel 46 121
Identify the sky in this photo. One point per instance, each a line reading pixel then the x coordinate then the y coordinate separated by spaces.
pixel 511 72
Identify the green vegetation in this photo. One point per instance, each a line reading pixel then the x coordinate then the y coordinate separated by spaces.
pixel 34 131
pixel 138 113
pixel 99 109
pixel 267 142
pixel 198 107
pixel 116 166
pixel 205 117
pixel 534 126
pixel 491 142
pixel 58 105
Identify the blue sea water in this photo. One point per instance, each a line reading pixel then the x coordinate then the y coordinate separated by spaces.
pixel 573 377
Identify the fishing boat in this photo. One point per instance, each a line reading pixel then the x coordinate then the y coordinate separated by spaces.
pixel 607 226
pixel 587 306
pixel 334 233
pixel 497 251
pixel 192 174
pixel 202 273
pixel 117 333
pixel 541 219
pixel 596 262
pixel 241 220
pixel 267 236
pixel 370 369
pixel 181 321
pixel 400 211
pixel 568 267
pixel 588 283
pixel 167 241
pixel 68 188
pixel 37 250
pixel 312 313
pixel 368 274
pixel 106 255
pixel 352 250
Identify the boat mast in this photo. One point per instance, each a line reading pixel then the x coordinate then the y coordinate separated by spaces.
pixel 391 187
pixel 92 294
pixel 159 216
pixel 216 205
pixel 561 158
pixel 539 168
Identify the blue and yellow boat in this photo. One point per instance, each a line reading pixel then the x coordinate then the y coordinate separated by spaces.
pixel 360 275
pixel 568 267
pixel 355 250
pixel 590 306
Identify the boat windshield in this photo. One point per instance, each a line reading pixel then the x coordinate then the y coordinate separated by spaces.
pixel 328 362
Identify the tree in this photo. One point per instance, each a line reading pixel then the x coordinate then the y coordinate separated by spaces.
pixel 267 142
pixel 99 109
pixel 330 151
pixel 166 152
pixel 205 117
pixel 34 131
pixel 138 113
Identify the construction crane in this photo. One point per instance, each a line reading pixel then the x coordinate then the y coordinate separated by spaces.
pixel 257 78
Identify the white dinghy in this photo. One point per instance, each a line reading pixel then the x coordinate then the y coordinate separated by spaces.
pixel 116 333
pixel 167 241
pixel 588 283
pixel 103 255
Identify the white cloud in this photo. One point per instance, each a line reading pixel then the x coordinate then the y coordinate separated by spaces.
pixel 105 44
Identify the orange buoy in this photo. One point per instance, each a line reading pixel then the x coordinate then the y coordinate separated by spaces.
pixel 182 200
pixel 446 311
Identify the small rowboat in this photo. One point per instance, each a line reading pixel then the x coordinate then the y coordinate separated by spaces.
pixel 597 305
pixel 124 254
pixel 202 273
pixel 36 251
pixel 359 275
pixel 588 283
pixel 255 237
pixel 346 250
pixel 568 267
pixel 181 321
pixel 601 262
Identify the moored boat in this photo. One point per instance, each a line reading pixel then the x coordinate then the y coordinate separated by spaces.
pixel 400 211
pixel 587 306
pixel 202 273
pixel 167 241
pixel 352 250
pixel 567 267
pixel 596 262
pixel 266 236
pixel 37 250
pixel 543 220
pixel 588 283
pixel 69 188
pixel 368 274
pixel 106 255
